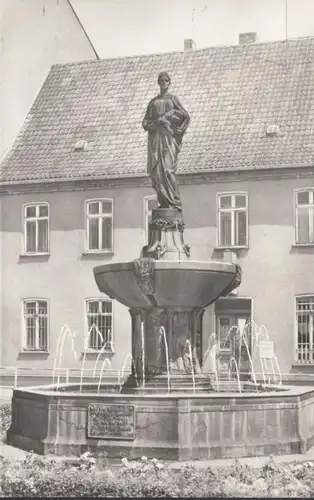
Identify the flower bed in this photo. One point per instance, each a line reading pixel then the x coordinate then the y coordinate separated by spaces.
pixel 93 477
pixel 5 420
pixel 39 477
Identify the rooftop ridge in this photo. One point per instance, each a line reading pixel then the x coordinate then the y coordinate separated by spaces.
pixel 197 50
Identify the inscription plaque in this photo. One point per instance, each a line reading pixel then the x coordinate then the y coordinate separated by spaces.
pixel 111 421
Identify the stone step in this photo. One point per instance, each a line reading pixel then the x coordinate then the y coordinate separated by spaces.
pixel 226 385
pixel 163 390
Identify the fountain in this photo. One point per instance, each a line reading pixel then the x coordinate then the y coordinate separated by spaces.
pixel 64 332
pixel 167 407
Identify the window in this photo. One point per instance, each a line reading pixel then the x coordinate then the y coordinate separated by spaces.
pixel 150 203
pixel 36 228
pixel 305 217
pixel 232 220
pixel 35 315
pixel 99 323
pixel 305 329
pixel 99 226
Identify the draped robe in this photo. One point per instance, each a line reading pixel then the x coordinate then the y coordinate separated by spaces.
pixel 164 143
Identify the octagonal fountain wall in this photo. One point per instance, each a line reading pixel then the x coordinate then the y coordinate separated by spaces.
pixel 167 426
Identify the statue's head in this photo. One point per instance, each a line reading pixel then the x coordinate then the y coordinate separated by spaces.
pixel 164 80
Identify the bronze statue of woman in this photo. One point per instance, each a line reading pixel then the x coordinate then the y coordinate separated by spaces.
pixel 166 122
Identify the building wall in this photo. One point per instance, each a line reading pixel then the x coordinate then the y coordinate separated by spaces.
pixel 274 271
pixel 35 34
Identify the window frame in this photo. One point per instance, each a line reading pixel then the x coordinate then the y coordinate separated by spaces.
pixel 100 216
pixel 24 347
pixel 233 194
pixel 311 334
pixel 146 212
pixel 311 219
pixel 87 329
pixel 36 218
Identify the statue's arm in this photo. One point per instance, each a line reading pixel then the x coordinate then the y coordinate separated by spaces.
pixel 181 128
pixel 148 123
pixel 179 107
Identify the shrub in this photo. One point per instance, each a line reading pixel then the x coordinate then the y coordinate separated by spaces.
pixel 5 420
pixel 39 477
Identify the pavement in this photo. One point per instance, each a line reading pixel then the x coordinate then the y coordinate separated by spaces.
pixel 255 462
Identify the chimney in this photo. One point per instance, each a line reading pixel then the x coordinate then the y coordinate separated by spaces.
pixel 189 44
pixel 247 38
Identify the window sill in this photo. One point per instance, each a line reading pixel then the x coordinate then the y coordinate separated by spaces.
pixel 231 249
pixel 92 255
pixel 33 351
pixel 94 352
pixel 31 255
pixel 302 245
pixel 302 368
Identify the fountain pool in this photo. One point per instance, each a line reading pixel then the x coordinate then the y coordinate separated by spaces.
pixel 175 426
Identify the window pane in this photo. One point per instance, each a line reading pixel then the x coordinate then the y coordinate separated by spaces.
pixel 303 198
pixel 305 304
pixel 106 233
pixel 31 332
pixel 93 307
pixel 31 236
pixel 225 201
pixel 151 204
pixel 93 207
pixel 303 328
pixel 30 307
pixel 95 339
pixel 240 201
pixel 43 235
pixel 106 207
pixel 106 306
pixel 42 307
pixel 43 211
pixel 43 327
pixel 93 243
pixel 225 228
pixel 240 228
pixel 303 222
pixel 31 211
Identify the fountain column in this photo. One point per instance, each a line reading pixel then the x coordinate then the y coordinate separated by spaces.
pixel 180 323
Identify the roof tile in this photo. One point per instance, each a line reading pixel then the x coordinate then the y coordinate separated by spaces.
pixel 231 93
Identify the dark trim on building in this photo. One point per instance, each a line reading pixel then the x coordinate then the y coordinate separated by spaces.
pixel 83 29
pixel 143 180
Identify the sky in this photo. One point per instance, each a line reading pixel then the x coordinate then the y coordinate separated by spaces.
pixel 132 27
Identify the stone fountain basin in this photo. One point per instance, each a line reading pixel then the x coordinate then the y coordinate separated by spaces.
pixel 177 283
pixel 188 426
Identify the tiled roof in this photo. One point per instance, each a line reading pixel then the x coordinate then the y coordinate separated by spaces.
pixel 231 93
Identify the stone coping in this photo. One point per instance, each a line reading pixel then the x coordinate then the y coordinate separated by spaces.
pixel 212 265
pixel 48 391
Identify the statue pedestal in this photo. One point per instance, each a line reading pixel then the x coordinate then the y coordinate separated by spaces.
pixel 166 236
